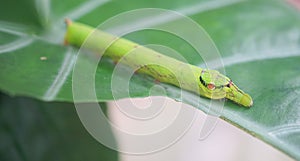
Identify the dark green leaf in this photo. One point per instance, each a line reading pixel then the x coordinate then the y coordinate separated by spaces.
pixel 32 130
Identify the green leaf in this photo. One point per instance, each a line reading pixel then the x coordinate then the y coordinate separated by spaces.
pixel 258 40
pixel 33 130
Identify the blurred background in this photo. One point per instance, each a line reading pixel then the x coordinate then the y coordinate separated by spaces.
pixel 225 143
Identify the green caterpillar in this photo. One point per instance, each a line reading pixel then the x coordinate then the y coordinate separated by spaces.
pixel 210 83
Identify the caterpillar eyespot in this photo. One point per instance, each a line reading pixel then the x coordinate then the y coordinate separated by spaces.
pixel 211 86
pixel 77 34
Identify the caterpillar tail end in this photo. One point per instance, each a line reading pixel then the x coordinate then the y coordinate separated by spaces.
pixel 68 22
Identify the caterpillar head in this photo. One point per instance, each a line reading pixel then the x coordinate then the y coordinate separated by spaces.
pixel 218 86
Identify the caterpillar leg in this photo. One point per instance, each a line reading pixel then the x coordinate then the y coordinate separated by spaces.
pixel 156 81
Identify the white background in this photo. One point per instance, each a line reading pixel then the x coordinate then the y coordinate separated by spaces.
pixel 225 143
